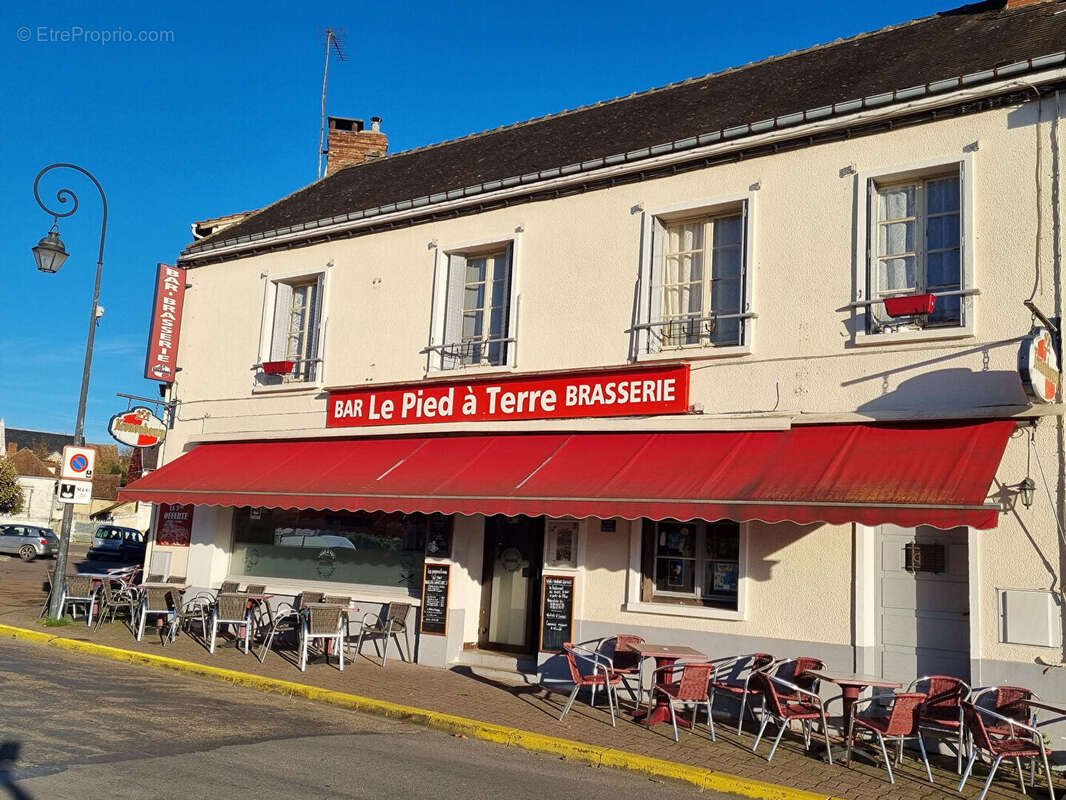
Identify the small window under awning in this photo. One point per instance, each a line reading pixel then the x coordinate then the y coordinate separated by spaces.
pixel 905 474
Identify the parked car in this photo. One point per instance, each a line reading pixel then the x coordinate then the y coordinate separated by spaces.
pixel 111 541
pixel 28 541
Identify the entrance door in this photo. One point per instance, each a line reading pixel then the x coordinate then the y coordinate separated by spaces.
pixel 923 602
pixel 510 594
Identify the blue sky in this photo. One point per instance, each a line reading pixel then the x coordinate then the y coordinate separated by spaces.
pixel 223 116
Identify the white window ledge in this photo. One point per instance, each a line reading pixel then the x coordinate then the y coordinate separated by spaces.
pixel 696 353
pixel 672 610
pixel 289 388
pixel 479 370
pixel 911 336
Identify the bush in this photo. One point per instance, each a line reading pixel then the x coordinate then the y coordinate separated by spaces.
pixel 10 490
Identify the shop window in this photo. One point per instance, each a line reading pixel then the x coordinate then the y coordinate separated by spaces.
pixel 917 241
pixel 691 563
pixel 475 327
pixel 373 549
pixel 291 346
pixel 695 279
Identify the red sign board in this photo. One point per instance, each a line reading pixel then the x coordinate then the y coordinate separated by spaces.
pixel 166 324
pixel 617 393
pixel 175 525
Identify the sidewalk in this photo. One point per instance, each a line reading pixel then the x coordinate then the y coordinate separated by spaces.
pixel 532 708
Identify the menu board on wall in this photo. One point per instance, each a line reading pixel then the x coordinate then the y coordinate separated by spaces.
pixel 175 524
pixel 435 599
pixel 557 612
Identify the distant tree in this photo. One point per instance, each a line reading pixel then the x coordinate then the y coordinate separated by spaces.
pixel 115 462
pixel 10 490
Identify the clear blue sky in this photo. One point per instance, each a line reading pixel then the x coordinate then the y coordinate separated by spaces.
pixel 224 117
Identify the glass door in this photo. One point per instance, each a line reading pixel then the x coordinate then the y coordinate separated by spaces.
pixel 510 595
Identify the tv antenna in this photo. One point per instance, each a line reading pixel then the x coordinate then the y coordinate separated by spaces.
pixel 334 41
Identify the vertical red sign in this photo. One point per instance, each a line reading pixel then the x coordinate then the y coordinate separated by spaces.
pixel 175 524
pixel 166 324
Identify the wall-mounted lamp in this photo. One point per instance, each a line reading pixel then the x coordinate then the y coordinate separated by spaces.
pixel 1027 490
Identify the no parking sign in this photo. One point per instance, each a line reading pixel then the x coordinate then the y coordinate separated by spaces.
pixel 78 463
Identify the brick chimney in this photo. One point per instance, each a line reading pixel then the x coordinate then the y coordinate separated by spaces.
pixel 12 448
pixel 349 143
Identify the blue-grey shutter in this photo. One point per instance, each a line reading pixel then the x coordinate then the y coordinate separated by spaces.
pixel 280 330
pixel 453 307
pixel 745 301
pixel 873 312
pixel 655 285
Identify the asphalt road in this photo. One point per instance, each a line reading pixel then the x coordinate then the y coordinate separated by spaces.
pixel 78 727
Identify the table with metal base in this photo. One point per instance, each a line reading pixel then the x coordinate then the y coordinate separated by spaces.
pixel 665 655
pixel 851 686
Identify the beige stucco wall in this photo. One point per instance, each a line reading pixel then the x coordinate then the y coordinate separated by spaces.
pixel 574 283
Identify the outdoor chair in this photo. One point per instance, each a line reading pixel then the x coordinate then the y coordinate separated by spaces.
pixel 114 599
pixel 627 663
pixel 78 590
pixel 794 670
pixel 1007 701
pixel 1022 741
pixel 783 709
pixel 900 721
pixel 287 619
pixel 601 676
pixel 732 677
pixel 154 578
pixel 337 600
pixel 228 587
pixel 176 579
pixel 691 688
pixel 388 623
pixel 188 610
pixel 50 581
pixel 255 588
pixel 942 710
pixel 155 600
pixel 326 623
pixel 231 609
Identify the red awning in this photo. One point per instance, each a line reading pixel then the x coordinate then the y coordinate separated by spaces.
pixel 903 474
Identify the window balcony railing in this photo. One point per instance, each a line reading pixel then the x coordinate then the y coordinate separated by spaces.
pixel 689 331
pixel 290 370
pixel 471 353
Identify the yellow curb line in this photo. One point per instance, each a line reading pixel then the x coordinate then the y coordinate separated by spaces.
pixel 501 734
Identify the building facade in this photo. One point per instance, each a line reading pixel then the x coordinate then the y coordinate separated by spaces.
pixel 828 475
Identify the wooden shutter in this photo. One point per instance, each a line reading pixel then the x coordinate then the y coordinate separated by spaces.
pixel 647 561
pixel 656 269
pixel 280 330
pixel 453 305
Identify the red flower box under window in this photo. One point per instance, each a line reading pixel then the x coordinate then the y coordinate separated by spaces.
pixel 909 305
pixel 278 367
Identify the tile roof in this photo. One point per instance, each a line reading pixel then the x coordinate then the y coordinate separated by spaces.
pixel 948 45
pixel 28 465
pixel 105 486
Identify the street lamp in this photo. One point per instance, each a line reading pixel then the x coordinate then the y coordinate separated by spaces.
pixel 50 255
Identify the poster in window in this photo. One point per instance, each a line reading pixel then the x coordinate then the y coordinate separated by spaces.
pixel 675 573
pixel 439 536
pixel 725 577
pixel 562 542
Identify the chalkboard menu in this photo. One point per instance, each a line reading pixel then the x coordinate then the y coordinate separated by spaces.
pixel 557 617
pixel 435 599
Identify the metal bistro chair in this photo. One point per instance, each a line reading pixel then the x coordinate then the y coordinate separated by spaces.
pixel 231 609
pixel 114 599
pixel 784 710
pixel 287 619
pixel 228 587
pixel 388 623
pixel 794 670
pixel 324 622
pixel 942 710
pixel 1023 741
pixel 627 663
pixel 732 676
pixel 255 588
pixel 602 676
pixel 155 600
pixel 188 610
pixel 690 689
pixel 78 590
pixel 901 722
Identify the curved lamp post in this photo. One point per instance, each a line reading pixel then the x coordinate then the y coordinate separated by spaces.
pixel 50 255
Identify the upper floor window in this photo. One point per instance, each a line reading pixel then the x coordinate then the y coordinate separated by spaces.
pixel 291 351
pixel 476 326
pixel 695 282
pixel 703 282
pixel 917 249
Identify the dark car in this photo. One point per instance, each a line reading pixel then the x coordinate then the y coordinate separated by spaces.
pixel 111 541
pixel 28 541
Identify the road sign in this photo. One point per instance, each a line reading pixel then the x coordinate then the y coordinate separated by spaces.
pixel 78 463
pixel 75 491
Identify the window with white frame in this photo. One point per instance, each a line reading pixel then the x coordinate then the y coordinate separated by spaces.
pixel 916 248
pixel 477 318
pixel 697 280
pixel 692 563
pixel 292 352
